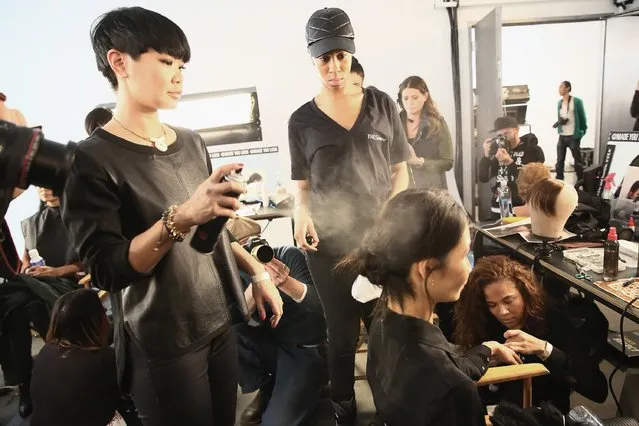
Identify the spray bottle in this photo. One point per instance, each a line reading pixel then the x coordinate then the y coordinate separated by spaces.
pixel 611 256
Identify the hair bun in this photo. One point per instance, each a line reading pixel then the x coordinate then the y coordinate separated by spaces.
pixel 370 267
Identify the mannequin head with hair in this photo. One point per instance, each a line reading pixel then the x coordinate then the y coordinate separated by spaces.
pixel 551 202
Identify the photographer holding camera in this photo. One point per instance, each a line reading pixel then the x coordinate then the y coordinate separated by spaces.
pixel 504 155
pixel 286 365
pixel 571 126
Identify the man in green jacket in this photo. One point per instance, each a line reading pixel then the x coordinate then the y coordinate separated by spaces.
pixel 571 126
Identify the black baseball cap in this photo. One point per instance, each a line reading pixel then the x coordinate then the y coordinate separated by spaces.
pixel 329 29
pixel 505 122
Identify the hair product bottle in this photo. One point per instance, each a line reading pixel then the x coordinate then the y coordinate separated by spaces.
pixel 611 256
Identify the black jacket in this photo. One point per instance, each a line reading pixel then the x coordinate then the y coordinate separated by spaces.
pixel 571 364
pixel 418 378
pixel 437 152
pixel 634 109
pixel 526 152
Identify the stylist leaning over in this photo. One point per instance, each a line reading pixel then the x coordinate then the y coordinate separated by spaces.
pixel 348 156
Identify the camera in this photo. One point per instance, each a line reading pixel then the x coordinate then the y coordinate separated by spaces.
pixel 495 144
pixel 562 121
pixel 27 158
pixel 259 249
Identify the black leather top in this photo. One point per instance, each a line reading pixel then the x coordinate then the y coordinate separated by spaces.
pixel 117 190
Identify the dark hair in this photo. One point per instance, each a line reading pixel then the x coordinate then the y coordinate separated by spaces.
pixel 473 321
pixel 134 31
pixel 433 115
pixel 98 117
pixel 543 195
pixel 567 84
pixel 391 246
pixel 78 320
pixel 357 68
pixel 3 97
pixel 633 188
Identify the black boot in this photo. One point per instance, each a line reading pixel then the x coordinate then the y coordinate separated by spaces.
pixel 252 414
pixel 345 412
pixel 25 407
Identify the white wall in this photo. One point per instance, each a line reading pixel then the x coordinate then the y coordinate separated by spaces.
pixel 620 75
pixel 48 69
pixel 51 74
pixel 513 11
pixel 542 56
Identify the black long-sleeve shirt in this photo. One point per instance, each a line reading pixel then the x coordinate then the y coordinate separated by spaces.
pixel 522 154
pixel 74 387
pixel 115 191
pixel 571 368
pixel 418 378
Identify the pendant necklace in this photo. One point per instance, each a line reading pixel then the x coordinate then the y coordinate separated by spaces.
pixel 158 143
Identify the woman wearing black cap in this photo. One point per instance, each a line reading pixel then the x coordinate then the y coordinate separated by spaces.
pixel 348 156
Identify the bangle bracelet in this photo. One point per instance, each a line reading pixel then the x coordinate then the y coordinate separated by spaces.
pixel 260 277
pixel 167 219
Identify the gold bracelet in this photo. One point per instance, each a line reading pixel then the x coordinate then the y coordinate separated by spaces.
pixel 168 217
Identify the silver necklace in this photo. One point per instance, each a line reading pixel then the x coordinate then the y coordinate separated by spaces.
pixel 158 143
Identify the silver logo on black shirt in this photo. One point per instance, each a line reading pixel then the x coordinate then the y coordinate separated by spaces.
pixel 375 137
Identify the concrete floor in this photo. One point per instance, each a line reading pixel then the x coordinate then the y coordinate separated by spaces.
pixel 323 415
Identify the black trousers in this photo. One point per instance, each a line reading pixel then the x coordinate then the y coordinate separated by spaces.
pixel 195 389
pixel 569 142
pixel 18 310
pixel 15 347
pixel 342 314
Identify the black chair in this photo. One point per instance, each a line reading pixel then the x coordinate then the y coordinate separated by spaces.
pixel 590 181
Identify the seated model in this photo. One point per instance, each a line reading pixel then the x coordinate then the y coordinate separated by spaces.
pixel 416 376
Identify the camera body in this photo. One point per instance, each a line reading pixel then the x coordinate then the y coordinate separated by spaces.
pixel 561 122
pixel 495 144
pixel 259 248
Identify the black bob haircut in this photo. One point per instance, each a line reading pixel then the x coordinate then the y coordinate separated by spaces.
pixel 134 31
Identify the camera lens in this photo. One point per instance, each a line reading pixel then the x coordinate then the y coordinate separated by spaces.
pixel 51 164
pixel 263 253
pixel 27 158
